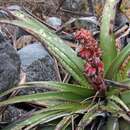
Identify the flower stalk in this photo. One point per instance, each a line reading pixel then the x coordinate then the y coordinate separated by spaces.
pixel 91 53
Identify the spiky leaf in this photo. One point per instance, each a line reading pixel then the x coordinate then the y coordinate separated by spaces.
pixel 107 41
pixel 115 71
pixel 112 123
pixel 52 96
pixel 54 86
pixel 47 115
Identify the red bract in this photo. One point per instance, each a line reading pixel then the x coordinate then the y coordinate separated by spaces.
pixel 85 53
pixel 89 70
pixel 100 67
pixel 82 34
pixel 90 51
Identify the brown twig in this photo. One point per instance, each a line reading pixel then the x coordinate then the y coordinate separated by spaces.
pixel 76 13
pixel 116 84
pixel 90 5
pixel 57 69
pixel 61 3
pixel 121 30
pixel 66 78
pixel 72 45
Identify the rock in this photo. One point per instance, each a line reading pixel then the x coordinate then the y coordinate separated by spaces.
pixel 14 7
pixel 41 69
pixel 31 53
pixel 38 66
pixel 9 65
pixel 12 113
pixel 121 19
pixel 9 76
pixel 128 38
pixel 54 22
pixel 74 5
pixel 90 23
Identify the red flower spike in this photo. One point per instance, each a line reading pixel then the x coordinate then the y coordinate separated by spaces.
pixel 90 51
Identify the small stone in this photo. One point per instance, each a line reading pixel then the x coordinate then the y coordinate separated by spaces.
pixel 54 22
pixel 74 5
pixel 12 113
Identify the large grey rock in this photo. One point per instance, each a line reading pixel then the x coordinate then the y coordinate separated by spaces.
pixel 38 66
pixel 9 65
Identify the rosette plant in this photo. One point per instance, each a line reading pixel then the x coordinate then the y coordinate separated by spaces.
pixel 101 98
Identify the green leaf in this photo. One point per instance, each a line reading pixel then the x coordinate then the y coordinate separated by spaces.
pixel 88 118
pixel 48 127
pixel 64 123
pixel 126 81
pixel 125 97
pixel 119 102
pixel 124 125
pixel 114 72
pixel 48 114
pixel 66 56
pixel 43 117
pixel 91 114
pixel 107 41
pixel 112 123
pixel 112 108
pixel 54 86
pixel 51 96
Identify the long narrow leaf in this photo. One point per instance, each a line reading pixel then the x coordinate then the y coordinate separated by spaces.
pixel 53 96
pixel 107 41
pixel 124 125
pixel 54 86
pixel 69 108
pixel 47 115
pixel 63 124
pixel 126 81
pixel 88 118
pixel 113 72
pixel 119 102
pixel 125 96
pixel 112 124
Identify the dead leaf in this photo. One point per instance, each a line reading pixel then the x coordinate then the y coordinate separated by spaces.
pixel 24 40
